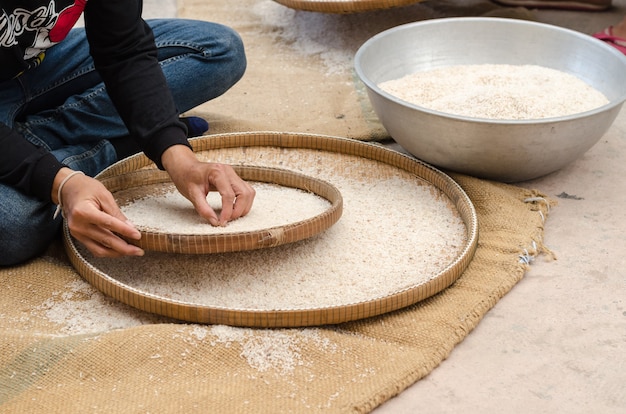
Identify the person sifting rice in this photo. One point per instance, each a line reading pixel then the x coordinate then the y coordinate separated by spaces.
pixel 75 100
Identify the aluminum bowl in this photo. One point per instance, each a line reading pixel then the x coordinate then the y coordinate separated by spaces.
pixel 503 150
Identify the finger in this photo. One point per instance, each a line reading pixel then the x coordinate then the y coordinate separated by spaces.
pixel 244 199
pixel 99 250
pixel 102 235
pixel 115 221
pixel 228 202
pixel 221 180
pixel 237 195
pixel 113 243
pixel 109 245
pixel 200 203
pixel 114 226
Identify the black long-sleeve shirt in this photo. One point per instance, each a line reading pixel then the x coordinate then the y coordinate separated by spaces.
pixel 123 49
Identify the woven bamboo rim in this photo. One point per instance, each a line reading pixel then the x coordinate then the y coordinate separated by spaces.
pixel 339 6
pixel 235 241
pixel 196 313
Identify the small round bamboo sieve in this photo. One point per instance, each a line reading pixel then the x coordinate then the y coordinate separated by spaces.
pixel 235 241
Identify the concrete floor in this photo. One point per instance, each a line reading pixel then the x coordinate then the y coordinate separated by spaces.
pixel 557 342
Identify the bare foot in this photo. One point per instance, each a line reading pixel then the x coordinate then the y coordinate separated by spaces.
pixel 619 30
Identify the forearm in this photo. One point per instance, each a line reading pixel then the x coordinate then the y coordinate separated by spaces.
pixel 125 55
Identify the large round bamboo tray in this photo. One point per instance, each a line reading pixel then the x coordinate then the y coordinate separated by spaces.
pixel 293 317
pixel 233 241
pixel 344 7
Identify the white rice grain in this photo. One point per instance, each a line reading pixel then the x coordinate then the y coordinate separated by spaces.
pixel 396 232
pixel 491 91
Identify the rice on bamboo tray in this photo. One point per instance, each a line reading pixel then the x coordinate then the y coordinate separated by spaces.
pixel 407 232
pixel 345 6
pixel 289 207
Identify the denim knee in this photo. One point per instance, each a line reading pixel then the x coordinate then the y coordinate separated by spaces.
pixel 201 60
pixel 26 227
pixel 232 54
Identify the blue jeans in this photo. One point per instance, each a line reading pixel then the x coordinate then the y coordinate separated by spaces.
pixel 63 106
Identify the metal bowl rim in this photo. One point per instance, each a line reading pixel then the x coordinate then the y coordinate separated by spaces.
pixel 374 87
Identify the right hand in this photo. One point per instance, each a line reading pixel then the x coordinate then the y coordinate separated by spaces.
pixel 195 179
pixel 94 218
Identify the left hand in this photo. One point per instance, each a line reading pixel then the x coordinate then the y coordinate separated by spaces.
pixel 93 217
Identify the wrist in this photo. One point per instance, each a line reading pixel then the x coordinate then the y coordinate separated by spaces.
pixel 61 175
pixel 64 177
pixel 177 155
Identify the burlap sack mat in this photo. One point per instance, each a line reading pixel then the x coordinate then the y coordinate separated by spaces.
pixel 300 75
pixel 65 348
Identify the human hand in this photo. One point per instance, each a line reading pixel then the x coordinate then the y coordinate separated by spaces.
pixel 93 217
pixel 195 179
